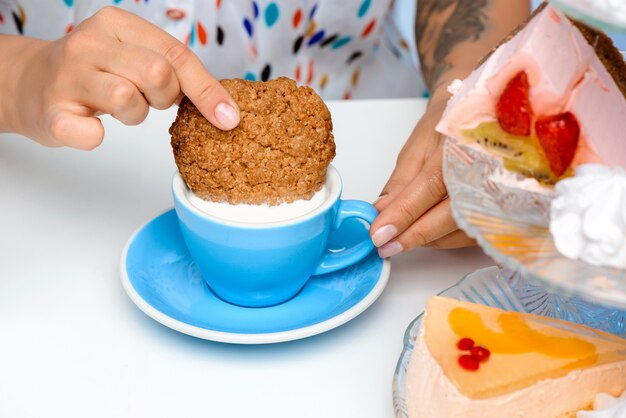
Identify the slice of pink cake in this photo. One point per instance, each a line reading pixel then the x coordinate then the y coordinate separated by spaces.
pixel 547 100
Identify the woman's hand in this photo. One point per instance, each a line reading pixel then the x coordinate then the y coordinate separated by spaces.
pixel 414 206
pixel 451 37
pixel 113 63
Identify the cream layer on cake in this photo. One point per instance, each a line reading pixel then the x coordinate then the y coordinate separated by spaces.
pixel 564 74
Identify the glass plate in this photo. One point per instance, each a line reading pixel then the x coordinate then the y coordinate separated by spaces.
pixel 604 14
pixel 511 225
pixel 507 290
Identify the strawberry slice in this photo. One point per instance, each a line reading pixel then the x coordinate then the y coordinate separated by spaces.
pixel 513 109
pixel 558 136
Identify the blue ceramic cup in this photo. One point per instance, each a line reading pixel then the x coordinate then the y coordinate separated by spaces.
pixel 266 263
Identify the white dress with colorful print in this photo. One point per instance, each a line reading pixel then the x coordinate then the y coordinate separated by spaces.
pixel 342 48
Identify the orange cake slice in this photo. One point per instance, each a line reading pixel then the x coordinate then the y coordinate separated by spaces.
pixel 472 360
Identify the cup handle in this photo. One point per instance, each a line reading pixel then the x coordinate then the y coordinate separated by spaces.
pixel 336 261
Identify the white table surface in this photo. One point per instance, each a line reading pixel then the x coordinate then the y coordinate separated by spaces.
pixel 72 344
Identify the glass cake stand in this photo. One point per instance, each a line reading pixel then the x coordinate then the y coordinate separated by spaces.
pixel 511 223
pixel 608 15
pixel 508 290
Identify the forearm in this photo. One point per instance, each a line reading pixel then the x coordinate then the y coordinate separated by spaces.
pixel 453 35
pixel 15 53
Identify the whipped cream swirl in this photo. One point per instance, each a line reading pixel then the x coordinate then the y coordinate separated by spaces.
pixel 588 216
pixel 606 406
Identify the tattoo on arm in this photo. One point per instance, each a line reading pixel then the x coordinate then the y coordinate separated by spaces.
pixel 440 26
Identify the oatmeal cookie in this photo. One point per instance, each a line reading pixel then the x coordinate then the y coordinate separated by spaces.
pixel 279 152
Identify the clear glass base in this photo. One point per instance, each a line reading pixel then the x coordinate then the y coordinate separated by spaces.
pixel 509 217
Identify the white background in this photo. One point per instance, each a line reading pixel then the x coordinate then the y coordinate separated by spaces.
pixel 72 344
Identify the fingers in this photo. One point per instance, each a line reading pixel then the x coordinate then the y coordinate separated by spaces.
pixel 423 192
pixel 149 71
pixel 117 96
pixel 70 129
pixel 408 165
pixel 457 239
pixel 436 229
pixel 412 209
pixel 211 99
pixel 436 223
pixel 117 63
pixel 422 145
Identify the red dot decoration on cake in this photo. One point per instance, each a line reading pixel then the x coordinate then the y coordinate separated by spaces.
pixel 477 354
pixel 469 362
pixel 465 344
pixel 480 353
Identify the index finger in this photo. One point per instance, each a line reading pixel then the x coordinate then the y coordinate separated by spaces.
pixel 209 96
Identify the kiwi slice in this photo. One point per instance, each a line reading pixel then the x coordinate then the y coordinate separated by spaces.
pixel 521 154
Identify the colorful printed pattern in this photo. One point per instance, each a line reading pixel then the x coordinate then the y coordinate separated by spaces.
pixel 342 49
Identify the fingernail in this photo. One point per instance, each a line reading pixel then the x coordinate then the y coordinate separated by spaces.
pixel 226 115
pixel 381 197
pixel 390 249
pixel 384 234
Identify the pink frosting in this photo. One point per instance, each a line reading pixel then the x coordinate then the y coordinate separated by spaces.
pixel 564 75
